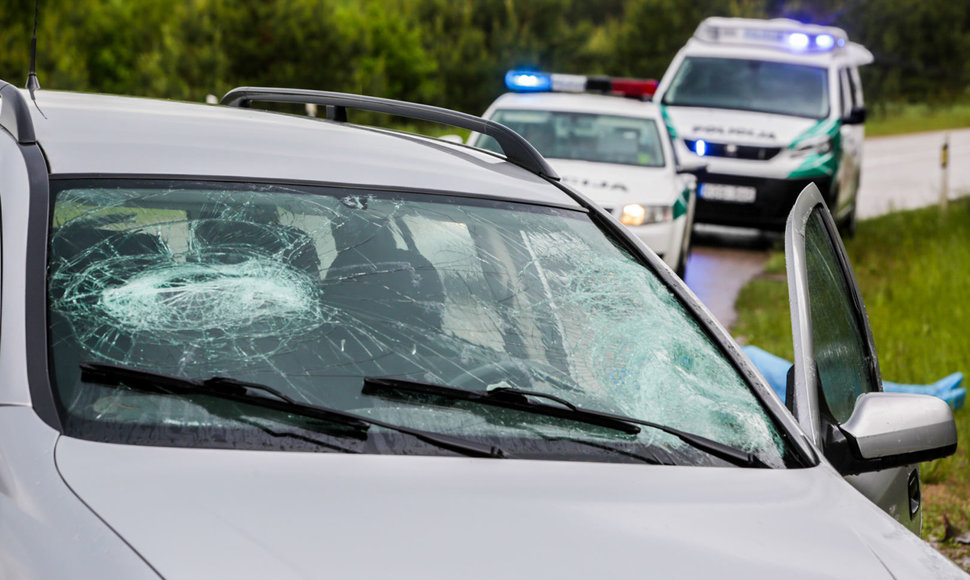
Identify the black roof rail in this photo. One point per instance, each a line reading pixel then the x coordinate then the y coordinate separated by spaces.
pixel 515 147
pixel 15 114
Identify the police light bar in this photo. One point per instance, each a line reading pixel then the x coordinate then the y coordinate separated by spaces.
pixel 779 33
pixel 521 81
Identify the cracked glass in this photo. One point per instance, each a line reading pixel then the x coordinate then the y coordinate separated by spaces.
pixel 310 289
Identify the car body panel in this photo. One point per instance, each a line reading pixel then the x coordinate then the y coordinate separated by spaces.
pixel 743 127
pixel 97 134
pixel 15 184
pixel 611 184
pixel 614 185
pixel 352 515
pixel 45 530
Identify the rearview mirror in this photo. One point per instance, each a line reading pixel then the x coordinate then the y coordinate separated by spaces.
pixel 692 168
pixel 856 116
pixel 890 430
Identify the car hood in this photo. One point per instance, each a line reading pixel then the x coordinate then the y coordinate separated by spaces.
pixel 193 513
pixel 741 127
pixel 612 185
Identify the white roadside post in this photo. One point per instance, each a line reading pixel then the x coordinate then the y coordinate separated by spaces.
pixel 944 165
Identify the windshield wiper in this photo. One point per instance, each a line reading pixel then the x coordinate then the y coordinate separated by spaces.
pixel 500 397
pixel 256 394
pixel 519 399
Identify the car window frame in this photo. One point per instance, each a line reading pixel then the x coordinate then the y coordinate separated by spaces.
pixel 40 229
pixel 806 398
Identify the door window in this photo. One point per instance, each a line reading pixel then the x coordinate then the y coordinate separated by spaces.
pixel 842 354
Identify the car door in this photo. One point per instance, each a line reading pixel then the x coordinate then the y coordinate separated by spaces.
pixel 835 360
pixel 852 135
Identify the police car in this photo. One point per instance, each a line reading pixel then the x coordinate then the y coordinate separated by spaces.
pixel 612 149
pixel 771 105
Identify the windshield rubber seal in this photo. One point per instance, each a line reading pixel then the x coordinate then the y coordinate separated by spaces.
pixel 39 212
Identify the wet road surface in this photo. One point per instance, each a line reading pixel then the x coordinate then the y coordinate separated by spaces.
pixel 897 173
pixel 722 261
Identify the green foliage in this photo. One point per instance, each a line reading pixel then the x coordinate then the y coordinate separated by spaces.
pixel 913 269
pixel 654 30
pixel 896 119
pixel 451 53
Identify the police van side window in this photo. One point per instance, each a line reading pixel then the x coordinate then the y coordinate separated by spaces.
pixel 845 92
pixel 855 84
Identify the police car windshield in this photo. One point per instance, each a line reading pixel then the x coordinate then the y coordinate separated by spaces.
pixel 309 289
pixel 751 85
pixel 584 136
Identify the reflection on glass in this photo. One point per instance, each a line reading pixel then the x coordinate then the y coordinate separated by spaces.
pixel 841 354
pixel 584 136
pixel 310 289
pixel 751 85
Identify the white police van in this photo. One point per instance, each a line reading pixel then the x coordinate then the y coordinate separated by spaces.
pixel 771 105
pixel 612 149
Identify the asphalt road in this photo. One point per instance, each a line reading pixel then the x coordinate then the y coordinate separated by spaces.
pixel 897 173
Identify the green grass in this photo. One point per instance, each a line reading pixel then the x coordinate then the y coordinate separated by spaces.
pixel 900 119
pixel 913 269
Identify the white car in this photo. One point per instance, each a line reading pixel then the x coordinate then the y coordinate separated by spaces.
pixel 241 344
pixel 771 106
pixel 611 146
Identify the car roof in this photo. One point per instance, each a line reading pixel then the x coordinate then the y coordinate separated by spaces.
pixel 87 134
pixel 577 102
pixel 853 55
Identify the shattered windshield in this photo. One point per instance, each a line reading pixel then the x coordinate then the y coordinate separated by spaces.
pixel 308 290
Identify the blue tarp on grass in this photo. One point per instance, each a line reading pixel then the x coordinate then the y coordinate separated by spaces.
pixel 775 370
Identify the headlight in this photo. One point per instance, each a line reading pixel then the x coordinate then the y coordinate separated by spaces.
pixel 818 146
pixel 637 215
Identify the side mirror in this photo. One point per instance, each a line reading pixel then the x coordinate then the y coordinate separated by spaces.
pixel 856 116
pixel 452 138
pixel 890 430
pixel 695 169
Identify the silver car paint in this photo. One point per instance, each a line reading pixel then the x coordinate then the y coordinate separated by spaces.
pixel 610 518
pixel 122 135
pixel 46 531
pixel 13 354
pixel 881 428
pixel 305 515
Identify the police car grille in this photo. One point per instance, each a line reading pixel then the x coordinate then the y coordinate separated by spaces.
pixel 735 151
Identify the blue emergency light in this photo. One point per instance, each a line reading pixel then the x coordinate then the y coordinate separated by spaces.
pixel 798 41
pixel 528 82
pixel 825 41
pixel 523 81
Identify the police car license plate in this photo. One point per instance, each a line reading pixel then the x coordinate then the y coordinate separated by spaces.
pixel 722 192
